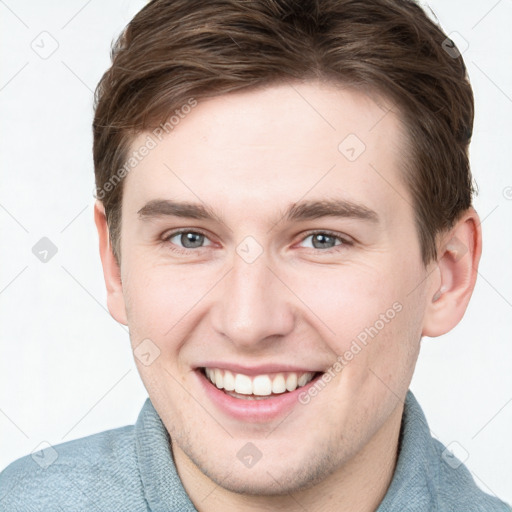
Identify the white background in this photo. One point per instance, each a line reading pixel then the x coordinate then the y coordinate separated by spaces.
pixel 66 369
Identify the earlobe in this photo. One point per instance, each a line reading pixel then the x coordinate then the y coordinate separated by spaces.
pixel 111 270
pixel 458 259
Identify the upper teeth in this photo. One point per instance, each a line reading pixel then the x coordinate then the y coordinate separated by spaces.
pixel 259 384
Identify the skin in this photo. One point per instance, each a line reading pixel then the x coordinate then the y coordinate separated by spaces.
pixel 248 156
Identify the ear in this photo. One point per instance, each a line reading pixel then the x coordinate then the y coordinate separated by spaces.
pixel 111 270
pixel 458 257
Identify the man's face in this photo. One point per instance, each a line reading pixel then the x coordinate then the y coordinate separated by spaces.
pixel 264 300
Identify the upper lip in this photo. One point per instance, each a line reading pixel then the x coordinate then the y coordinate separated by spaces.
pixel 259 369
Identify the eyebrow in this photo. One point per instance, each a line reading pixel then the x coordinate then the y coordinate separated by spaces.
pixel 305 210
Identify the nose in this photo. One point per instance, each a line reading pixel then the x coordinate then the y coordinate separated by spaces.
pixel 254 306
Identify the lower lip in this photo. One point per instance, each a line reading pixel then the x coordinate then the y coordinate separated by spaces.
pixel 253 410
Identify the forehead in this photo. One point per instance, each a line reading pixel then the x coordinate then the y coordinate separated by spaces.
pixel 272 146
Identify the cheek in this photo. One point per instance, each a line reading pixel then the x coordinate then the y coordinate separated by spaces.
pixel 369 316
pixel 160 297
pixel 342 303
pixel 347 300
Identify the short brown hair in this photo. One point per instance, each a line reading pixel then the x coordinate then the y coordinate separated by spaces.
pixel 175 50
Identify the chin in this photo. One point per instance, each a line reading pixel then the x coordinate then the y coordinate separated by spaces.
pixel 275 476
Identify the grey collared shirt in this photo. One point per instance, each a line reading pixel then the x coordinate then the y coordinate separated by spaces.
pixel 131 469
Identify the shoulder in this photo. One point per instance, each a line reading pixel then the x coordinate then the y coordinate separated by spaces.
pixel 99 470
pixel 428 476
pixel 456 488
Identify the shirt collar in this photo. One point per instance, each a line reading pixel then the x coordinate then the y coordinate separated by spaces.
pixel 163 489
pixel 413 477
pixel 416 467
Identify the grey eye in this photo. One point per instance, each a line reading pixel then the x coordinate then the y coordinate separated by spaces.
pixel 188 239
pixel 323 240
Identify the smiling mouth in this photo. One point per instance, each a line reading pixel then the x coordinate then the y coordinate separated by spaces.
pixel 257 387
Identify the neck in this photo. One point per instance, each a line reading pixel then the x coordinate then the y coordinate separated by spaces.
pixel 358 486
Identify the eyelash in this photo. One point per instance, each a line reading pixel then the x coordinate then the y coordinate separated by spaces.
pixel 344 241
